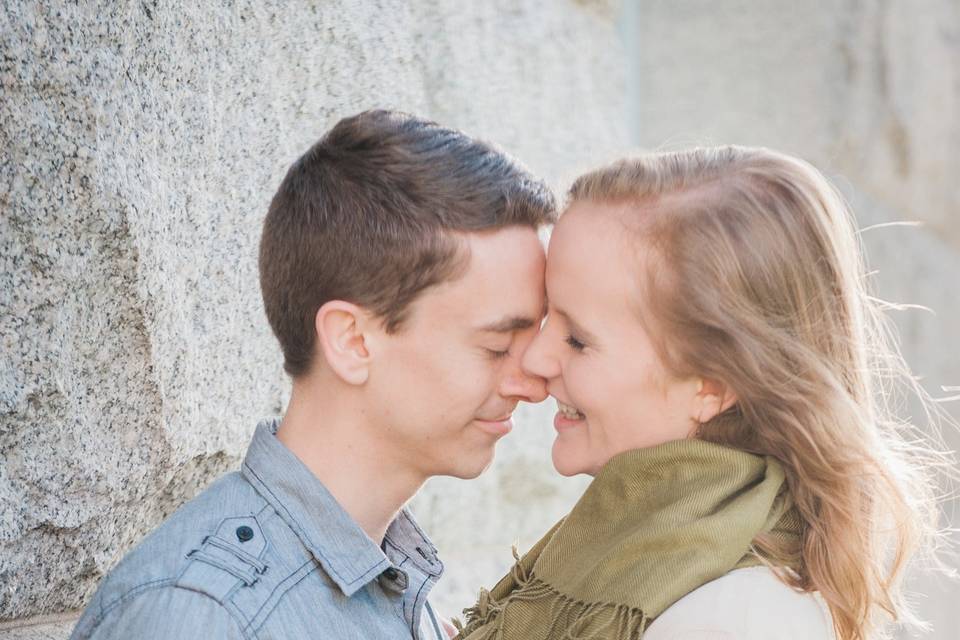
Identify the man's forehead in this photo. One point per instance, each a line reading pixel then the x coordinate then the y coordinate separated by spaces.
pixel 501 288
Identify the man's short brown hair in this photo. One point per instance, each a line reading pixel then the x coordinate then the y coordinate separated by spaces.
pixel 365 216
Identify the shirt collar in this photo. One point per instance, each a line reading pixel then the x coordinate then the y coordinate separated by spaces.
pixel 335 540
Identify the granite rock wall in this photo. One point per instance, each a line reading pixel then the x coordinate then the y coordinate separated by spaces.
pixel 141 143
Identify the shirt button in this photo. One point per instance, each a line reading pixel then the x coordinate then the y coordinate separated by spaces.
pixel 393 580
pixel 244 533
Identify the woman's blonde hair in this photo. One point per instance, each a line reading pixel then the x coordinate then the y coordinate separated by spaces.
pixel 756 279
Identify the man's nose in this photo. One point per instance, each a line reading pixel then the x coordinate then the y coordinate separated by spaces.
pixel 524 386
pixel 530 388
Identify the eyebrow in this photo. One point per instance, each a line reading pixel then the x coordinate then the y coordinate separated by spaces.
pixel 508 324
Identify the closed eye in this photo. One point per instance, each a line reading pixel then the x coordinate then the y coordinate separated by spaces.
pixel 574 343
pixel 498 355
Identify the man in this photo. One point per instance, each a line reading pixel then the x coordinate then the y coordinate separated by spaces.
pixel 402 274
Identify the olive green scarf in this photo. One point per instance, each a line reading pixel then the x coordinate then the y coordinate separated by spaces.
pixel 654 525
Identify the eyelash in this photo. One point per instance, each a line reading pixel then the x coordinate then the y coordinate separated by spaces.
pixel 575 344
pixel 498 355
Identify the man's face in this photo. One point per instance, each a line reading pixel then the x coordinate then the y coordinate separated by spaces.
pixel 445 385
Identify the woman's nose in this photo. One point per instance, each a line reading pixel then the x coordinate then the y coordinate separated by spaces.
pixel 537 359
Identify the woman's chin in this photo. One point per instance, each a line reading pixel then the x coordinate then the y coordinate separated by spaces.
pixel 566 462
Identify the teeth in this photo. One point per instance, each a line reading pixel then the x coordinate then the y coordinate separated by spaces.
pixel 569 412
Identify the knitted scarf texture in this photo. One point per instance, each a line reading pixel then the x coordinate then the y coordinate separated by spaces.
pixel 654 525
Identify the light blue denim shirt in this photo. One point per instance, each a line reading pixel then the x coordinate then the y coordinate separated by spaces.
pixel 267 552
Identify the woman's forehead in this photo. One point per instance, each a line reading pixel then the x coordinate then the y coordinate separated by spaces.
pixel 591 261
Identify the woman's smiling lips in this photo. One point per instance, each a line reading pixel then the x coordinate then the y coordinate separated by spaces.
pixel 567 418
pixel 562 423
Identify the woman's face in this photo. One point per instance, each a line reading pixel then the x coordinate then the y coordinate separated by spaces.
pixel 612 391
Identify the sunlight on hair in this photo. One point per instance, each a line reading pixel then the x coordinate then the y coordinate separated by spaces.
pixel 761 283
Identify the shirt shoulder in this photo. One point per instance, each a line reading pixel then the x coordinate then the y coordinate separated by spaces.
pixel 209 559
pixel 164 613
pixel 745 604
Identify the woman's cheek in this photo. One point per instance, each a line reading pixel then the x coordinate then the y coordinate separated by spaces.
pixel 586 389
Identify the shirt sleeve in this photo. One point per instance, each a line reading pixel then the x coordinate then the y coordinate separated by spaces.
pixel 168 613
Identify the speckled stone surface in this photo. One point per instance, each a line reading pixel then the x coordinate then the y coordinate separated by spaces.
pixel 141 143
pixel 56 627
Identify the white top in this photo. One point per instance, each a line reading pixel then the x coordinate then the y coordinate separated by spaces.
pixel 745 604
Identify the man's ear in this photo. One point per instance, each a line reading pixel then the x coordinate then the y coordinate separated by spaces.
pixel 340 336
pixel 713 398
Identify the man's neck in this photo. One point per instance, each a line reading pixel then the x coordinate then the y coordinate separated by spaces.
pixel 333 439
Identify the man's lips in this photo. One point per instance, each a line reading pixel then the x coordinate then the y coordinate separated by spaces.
pixel 499 427
pixel 503 418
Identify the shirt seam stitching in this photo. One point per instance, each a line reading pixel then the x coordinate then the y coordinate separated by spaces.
pixel 429 570
pixel 299 531
pixel 413 617
pixel 276 597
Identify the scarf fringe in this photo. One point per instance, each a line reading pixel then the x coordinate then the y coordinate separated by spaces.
pixel 589 621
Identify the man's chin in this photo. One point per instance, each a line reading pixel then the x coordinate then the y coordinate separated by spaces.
pixel 472 467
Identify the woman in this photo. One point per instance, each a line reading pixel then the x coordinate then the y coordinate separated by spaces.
pixel 718 367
